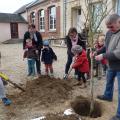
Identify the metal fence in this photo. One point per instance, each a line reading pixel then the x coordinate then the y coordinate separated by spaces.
pixel 60 42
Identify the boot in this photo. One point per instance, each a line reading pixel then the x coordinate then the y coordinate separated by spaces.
pixel 6 101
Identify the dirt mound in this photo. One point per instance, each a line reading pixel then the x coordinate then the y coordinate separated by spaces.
pixel 43 91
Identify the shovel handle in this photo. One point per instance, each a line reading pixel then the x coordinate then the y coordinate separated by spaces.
pixel 5 77
pixel 66 76
pixel 16 85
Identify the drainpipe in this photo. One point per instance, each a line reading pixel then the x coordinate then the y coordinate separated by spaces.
pixel 64 16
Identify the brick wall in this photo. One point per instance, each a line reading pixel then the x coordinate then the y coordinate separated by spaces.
pixel 56 33
pixel 47 33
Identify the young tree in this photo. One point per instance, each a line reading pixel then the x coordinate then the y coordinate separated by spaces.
pixel 94 14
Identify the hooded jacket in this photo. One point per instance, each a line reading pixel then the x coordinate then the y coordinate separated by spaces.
pixel 81 62
pixel 48 55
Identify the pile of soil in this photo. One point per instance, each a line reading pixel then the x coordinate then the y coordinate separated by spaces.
pixel 43 91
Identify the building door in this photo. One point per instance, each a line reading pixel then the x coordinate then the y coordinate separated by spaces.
pixel 14 30
pixel 77 19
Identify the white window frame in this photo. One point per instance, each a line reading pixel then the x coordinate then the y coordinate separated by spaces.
pixel 42 20
pixel 52 18
pixel 33 17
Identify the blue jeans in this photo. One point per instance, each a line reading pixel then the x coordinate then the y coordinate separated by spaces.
pixel 2 90
pixel 31 66
pixel 111 74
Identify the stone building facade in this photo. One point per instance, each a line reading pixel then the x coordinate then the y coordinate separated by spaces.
pixel 76 10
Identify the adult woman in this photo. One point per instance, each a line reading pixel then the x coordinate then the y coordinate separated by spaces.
pixel 73 38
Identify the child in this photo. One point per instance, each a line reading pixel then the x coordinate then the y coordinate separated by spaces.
pixel 48 56
pixel 31 55
pixel 103 62
pixel 80 63
pixel 5 100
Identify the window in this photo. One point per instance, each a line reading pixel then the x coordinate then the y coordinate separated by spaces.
pixel 42 20
pixel 118 6
pixel 98 10
pixel 33 17
pixel 52 18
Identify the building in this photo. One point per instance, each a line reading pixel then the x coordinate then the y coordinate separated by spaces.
pixel 45 14
pixel 22 11
pixel 53 18
pixel 74 12
pixel 12 26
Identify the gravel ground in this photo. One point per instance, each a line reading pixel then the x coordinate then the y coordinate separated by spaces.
pixel 13 65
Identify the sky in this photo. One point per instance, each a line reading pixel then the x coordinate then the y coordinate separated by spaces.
pixel 10 6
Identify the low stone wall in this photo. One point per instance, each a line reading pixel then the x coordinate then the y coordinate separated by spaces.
pixel 12 41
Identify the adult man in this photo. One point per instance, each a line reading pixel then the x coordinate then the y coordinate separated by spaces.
pixel 112 54
pixel 37 41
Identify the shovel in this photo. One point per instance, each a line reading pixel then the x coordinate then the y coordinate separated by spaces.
pixel 0 59
pixel 66 76
pixel 6 79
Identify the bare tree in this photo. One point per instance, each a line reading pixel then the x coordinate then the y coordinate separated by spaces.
pixel 94 14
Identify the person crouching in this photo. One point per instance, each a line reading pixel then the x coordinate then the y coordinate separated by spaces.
pixel 6 101
pixel 80 63
pixel 48 56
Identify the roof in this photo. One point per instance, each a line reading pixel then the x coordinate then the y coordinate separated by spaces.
pixel 7 18
pixel 35 3
pixel 21 9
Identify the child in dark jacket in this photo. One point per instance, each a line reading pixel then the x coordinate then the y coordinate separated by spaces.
pixel 80 63
pixel 48 56
pixel 31 55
